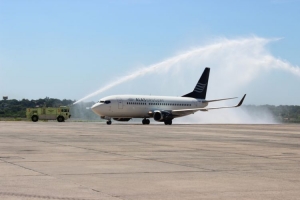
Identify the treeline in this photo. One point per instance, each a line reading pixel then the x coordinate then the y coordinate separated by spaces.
pixel 282 113
pixel 17 108
pixel 81 111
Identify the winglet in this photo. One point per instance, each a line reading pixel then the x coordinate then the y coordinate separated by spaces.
pixel 241 102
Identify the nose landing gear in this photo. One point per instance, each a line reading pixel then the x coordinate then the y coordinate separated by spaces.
pixel 146 121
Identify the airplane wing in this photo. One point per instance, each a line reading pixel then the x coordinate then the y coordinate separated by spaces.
pixel 183 112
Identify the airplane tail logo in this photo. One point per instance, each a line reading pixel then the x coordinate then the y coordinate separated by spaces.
pixel 200 89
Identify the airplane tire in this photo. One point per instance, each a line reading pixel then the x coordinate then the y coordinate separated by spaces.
pixel 108 122
pixel 168 122
pixel 146 121
pixel 60 119
pixel 35 118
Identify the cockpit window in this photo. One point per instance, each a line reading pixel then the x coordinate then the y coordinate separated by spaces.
pixel 106 102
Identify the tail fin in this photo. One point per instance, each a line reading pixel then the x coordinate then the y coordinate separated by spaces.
pixel 199 91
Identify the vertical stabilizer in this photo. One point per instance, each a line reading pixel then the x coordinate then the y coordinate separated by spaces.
pixel 199 91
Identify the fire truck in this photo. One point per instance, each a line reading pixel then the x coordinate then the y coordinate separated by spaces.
pixel 60 114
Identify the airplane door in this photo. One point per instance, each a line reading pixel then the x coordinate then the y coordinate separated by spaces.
pixel 120 103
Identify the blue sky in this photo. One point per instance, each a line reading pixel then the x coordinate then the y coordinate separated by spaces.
pixel 68 48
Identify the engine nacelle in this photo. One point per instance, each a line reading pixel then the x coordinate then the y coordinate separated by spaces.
pixel 122 119
pixel 161 116
pixel 158 116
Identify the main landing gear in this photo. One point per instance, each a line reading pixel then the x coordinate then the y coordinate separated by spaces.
pixel 168 122
pixel 108 122
pixel 146 121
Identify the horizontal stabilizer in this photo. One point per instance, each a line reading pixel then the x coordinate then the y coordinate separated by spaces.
pixel 208 101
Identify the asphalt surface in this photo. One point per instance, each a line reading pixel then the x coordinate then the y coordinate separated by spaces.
pixel 72 161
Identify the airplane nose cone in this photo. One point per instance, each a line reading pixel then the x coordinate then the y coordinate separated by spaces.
pixel 96 108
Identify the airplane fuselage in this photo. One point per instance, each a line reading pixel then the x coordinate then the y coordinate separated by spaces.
pixel 139 106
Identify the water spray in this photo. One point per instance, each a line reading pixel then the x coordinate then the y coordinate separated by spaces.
pixel 254 45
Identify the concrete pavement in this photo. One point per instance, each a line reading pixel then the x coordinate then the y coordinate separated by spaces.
pixel 51 160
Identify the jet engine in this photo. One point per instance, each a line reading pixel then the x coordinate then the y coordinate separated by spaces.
pixel 161 116
pixel 122 119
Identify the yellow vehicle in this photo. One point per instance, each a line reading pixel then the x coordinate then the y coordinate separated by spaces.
pixel 60 114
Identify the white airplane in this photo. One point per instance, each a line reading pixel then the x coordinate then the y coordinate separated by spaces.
pixel 161 108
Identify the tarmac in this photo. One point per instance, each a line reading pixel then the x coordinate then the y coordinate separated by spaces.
pixel 81 161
